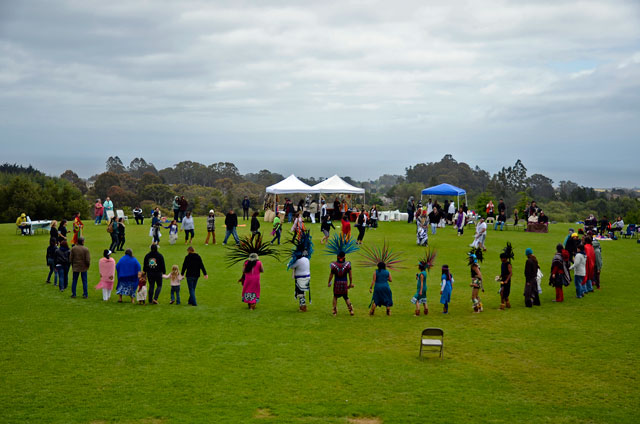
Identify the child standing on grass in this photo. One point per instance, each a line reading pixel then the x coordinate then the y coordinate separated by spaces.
pixel 446 287
pixel 277 229
pixel 325 226
pixel 579 266
pixel 346 227
pixel 173 232
pixel 175 277
pixel 141 295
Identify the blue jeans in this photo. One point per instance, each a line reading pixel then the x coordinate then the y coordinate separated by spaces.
pixel 495 225
pixel 52 270
pixel 277 236
pixel 230 232
pixel 433 228
pixel 289 217
pixel 589 286
pixel 98 219
pixel 577 280
pixel 74 283
pixel 192 282
pixel 63 277
pixel 175 290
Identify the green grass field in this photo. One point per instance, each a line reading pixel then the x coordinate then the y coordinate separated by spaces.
pixel 86 361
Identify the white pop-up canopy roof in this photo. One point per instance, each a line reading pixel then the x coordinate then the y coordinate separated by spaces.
pixel 291 184
pixel 336 184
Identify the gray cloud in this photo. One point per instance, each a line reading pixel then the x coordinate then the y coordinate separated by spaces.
pixel 351 87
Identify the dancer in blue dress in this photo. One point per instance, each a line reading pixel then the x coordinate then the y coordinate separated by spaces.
pixel 446 288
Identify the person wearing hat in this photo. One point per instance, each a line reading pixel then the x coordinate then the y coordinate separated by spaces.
pixel 531 296
pixel 191 268
pixel 572 245
pixel 211 227
pixel 476 279
pixel 250 280
pixel 107 267
pixel 23 224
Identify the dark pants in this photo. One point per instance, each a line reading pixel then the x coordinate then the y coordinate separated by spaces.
pixel 140 219
pixel 83 274
pixel 361 230
pixel 192 282
pixel 175 290
pixel 182 214
pixel 277 236
pixel 410 217
pixel 154 280
pixel 121 242
pixel 531 296
pixel 176 214
pixel 114 242
pixel 52 270
pixel 245 213
pixel 186 234
pixel 63 276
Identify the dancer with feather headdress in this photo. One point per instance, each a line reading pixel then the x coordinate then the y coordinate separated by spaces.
pixel 475 255
pixel 299 263
pixel 340 246
pixel 420 298
pixel 382 258
pixel 250 249
pixel 505 275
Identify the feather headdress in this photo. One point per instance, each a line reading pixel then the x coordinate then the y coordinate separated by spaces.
pixel 428 259
pixel 374 255
pixel 341 243
pixel 507 252
pixel 475 255
pixel 250 245
pixel 302 247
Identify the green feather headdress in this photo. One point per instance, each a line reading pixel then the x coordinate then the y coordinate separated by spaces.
pixel 247 246
pixel 302 246
pixel 428 259
pixel 374 255
pixel 340 243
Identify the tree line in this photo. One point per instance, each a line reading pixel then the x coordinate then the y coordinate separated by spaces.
pixel 221 186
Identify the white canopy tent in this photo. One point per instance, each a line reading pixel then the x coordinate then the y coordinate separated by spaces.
pixel 290 185
pixel 336 184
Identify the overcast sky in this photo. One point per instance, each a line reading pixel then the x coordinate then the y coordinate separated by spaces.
pixel 316 88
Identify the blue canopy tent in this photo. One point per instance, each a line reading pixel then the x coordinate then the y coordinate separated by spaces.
pixel 445 190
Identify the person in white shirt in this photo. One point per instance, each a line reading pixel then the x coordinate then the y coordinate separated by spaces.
pixel 481 234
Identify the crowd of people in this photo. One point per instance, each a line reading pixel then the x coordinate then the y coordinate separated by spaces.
pixel 143 282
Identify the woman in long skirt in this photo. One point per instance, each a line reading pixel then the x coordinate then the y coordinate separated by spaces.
pixel 128 268
pixel 107 267
pixel 250 281
pixel 381 291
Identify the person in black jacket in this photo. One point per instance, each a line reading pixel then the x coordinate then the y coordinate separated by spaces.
pixel 245 208
pixel 231 222
pixel 255 225
pixel 51 261
pixel 154 266
pixel 191 268
pixel 62 265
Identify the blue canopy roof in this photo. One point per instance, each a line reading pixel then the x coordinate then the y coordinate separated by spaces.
pixel 444 190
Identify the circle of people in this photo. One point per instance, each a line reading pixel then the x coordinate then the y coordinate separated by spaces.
pixel 143 282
